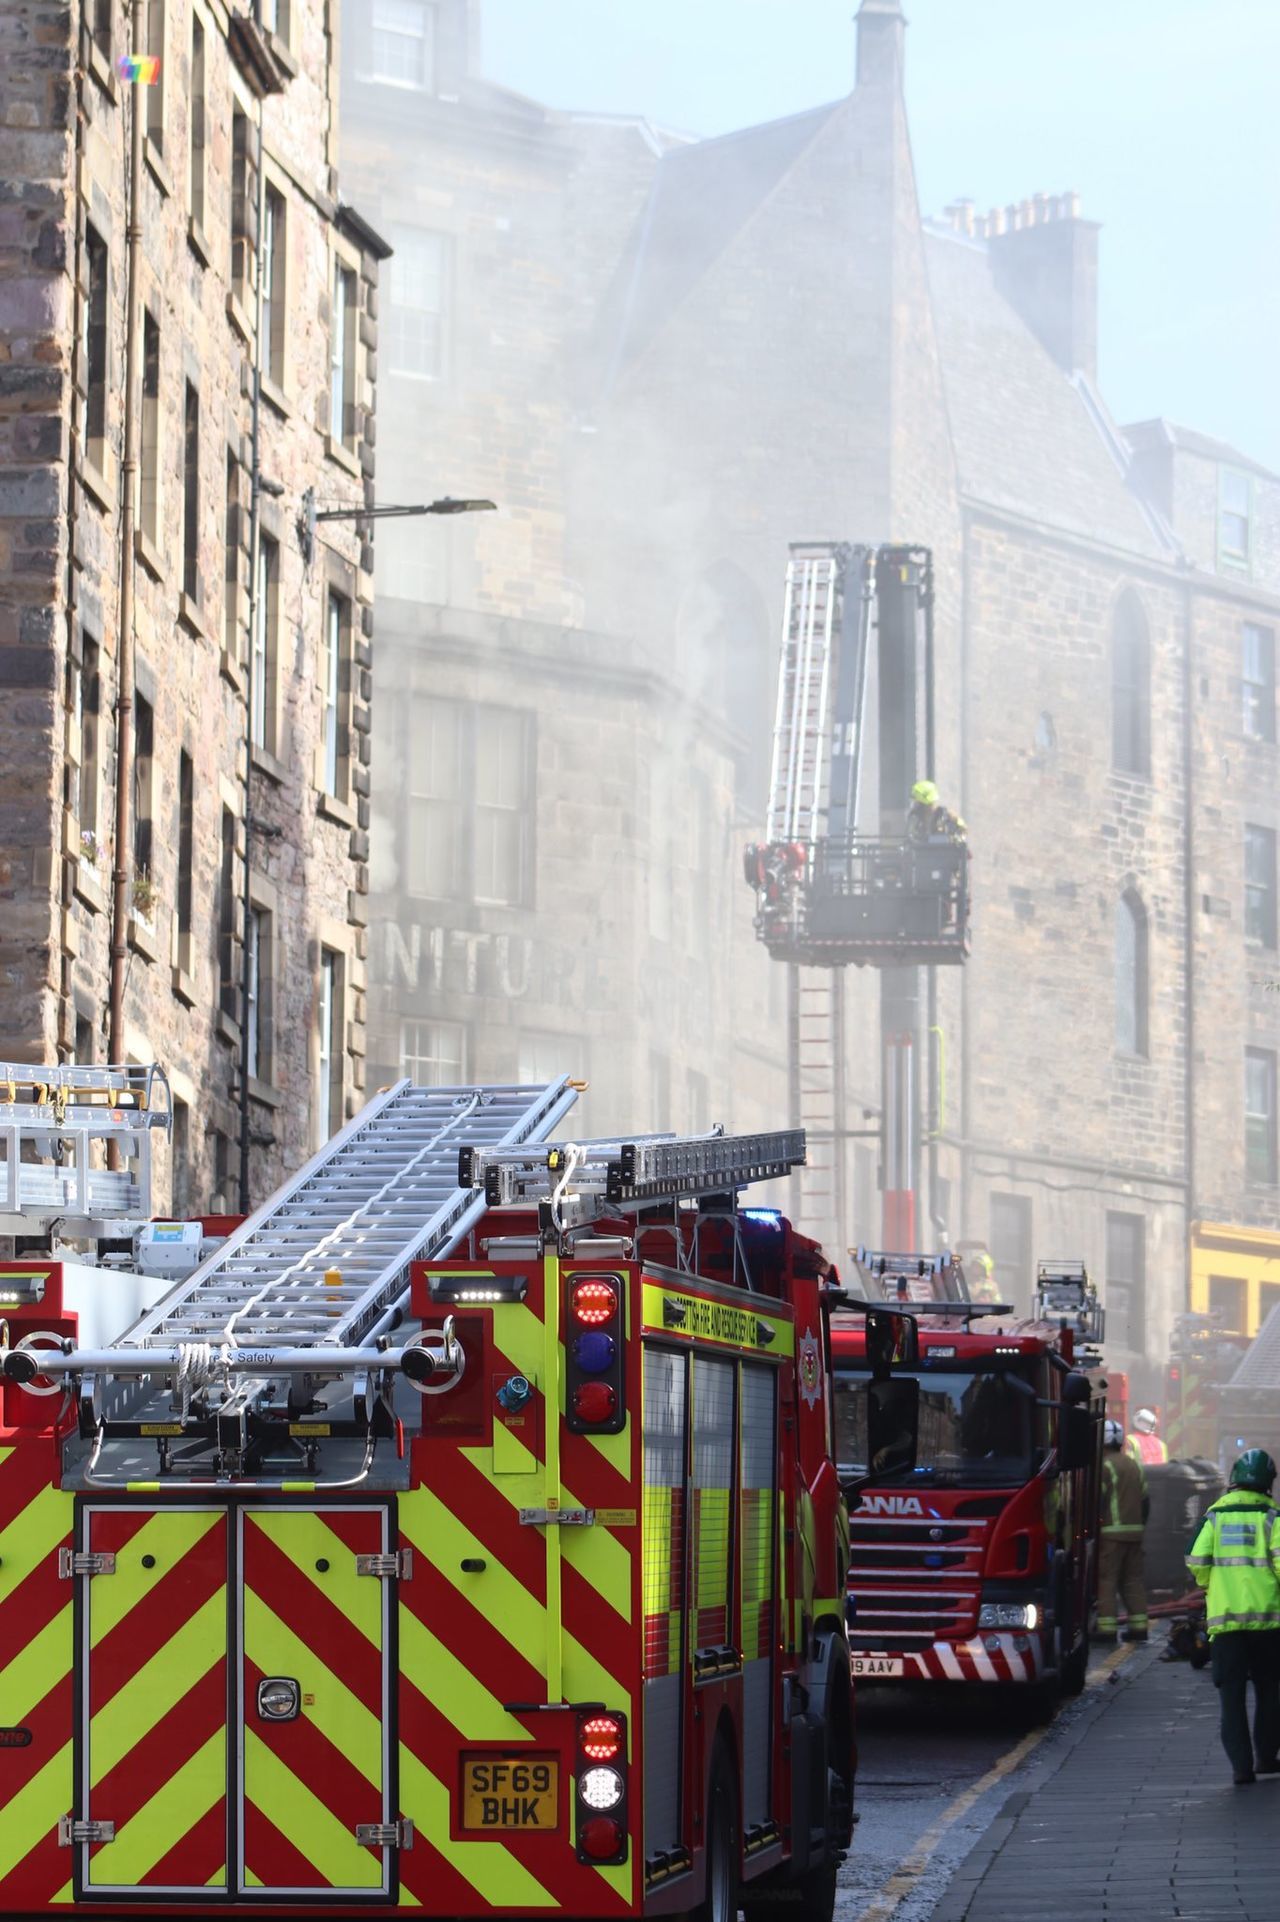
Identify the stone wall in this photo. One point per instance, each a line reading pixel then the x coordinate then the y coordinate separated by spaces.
pixel 308 847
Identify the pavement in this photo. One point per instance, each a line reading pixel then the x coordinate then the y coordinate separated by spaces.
pixel 1132 1814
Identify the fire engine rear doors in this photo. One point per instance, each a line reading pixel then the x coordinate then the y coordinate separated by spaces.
pixel 234 1702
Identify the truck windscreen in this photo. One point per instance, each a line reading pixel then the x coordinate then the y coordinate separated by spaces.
pixel 976 1427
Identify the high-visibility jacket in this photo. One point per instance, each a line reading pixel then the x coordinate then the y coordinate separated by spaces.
pixel 1124 1495
pixel 1236 1557
pixel 1146 1448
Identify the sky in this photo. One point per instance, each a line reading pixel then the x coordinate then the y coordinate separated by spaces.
pixel 1160 113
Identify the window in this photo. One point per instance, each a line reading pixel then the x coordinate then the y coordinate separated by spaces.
pixel 1260 885
pixel 542 1057
pixel 180 1164
pixel 329 1027
pixel 102 27
pixel 434 1053
pixel 342 356
pixel 336 679
pixel 1010 1245
pixel 191 495
pixel 470 806
pixel 144 737
pixel 274 16
pixel 1260 1114
pixel 84 697
pixel 275 317
pixel 1130 689
pixel 1124 1296
pixel 1132 970
pixel 244 191
pixel 93 421
pixel 265 656
pixel 1229 1302
pixel 260 969
pixel 502 805
pixel 404 43
pixel 196 156
pixel 84 1041
pixel 186 860
pixel 232 637
pixel 414 327
pixel 149 489
pixel 155 94
pixel 1235 517
pixel 1259 682
pixel 228 986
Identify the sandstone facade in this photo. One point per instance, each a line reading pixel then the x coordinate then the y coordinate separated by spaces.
pixel 219 589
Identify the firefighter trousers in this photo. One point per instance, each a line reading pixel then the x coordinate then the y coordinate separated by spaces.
pixel 1120 1574
pixel 1240 1657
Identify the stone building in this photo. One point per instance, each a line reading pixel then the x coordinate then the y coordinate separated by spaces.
pixel 669 359
pixel 246 780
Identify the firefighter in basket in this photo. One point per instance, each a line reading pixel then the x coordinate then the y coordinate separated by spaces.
pixel 1125 1506
pixel 929 820
pixel 984 1286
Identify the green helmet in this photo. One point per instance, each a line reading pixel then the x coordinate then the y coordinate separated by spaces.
pixel 925 793
pixel 1255 1469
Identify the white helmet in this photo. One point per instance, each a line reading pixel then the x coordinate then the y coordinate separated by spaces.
pixel 1145 1421
pixel 1112 1435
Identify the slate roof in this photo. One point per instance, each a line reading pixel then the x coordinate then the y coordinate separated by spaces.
pixel 1259 1366
pixel 702 195
pixel 1161 433
pixel 1027 437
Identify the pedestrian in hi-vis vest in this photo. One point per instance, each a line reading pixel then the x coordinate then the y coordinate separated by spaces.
pixel 1236 1558
pixel 1124 1516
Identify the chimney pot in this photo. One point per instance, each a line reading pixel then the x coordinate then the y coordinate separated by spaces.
pixel 1072 199
pixel 1012 217
pixel 1041 204
pixel 996 220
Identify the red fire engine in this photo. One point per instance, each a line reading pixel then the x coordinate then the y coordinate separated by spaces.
pixel 973 1557
pixel 462 1533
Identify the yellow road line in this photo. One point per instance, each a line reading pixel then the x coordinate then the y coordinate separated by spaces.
pixel 908 1872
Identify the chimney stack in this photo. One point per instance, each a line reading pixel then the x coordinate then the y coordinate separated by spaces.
pixel 1044 259
pixel 881 32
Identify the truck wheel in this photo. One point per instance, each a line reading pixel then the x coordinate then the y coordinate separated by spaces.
pixel 720 1903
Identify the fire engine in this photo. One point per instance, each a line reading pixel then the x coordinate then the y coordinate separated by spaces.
pixel 973 1555
pixel 461 1534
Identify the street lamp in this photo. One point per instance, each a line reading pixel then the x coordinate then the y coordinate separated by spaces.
pixel 311 515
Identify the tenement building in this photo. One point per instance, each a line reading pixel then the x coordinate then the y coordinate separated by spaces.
pixel 667 359
pixel 185 658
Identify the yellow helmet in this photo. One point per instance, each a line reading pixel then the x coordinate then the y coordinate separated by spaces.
pixel 925 793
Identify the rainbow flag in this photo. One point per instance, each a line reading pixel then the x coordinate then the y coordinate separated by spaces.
pixel 141 69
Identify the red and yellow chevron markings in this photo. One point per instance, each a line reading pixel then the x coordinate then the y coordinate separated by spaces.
pixel 36 1688
pixel 155 1698
pixel 309 1616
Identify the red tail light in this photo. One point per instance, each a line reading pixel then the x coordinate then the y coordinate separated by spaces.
pixel 600 1837
pixel 601 1737
pixel 594 1401
pixel 594 1303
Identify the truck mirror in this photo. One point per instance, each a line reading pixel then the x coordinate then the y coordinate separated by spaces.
pixel 893 1425
pixel 1076 1388
pixel 892 1341
pixel 1075 1437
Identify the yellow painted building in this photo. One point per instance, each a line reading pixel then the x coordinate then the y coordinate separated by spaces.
pixel 1235 1272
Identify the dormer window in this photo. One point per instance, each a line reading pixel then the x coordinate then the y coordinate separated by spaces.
pixel 1235 518
pixel 404 44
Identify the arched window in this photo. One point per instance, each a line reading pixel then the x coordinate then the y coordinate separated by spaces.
pixel 1130 688
pixel 726 660
pixel 1131 975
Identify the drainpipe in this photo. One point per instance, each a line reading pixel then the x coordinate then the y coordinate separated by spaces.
pixel 124 643
pixel 1188 918
pixel 255 516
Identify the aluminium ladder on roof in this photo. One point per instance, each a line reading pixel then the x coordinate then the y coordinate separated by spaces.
pixel 797 781
pixel 617 1173
pixel 382 1193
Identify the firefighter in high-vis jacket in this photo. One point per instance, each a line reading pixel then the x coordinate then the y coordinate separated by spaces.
pixel 1125 1506
pixel 1236 1558
pixel 1144 1444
